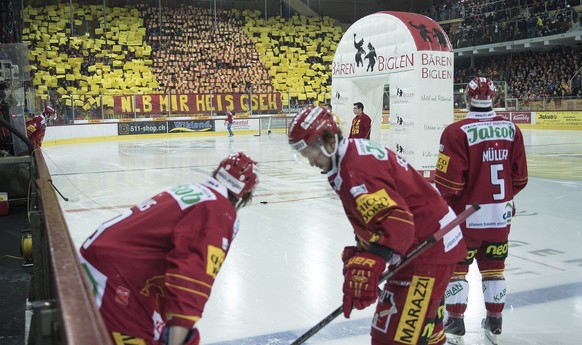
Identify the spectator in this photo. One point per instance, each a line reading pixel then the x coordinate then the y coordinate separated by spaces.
pixel 152 268
pixel 576 84
pixel 6 147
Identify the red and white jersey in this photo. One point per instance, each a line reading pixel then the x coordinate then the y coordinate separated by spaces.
pixel 229 116
pixel 35 129
pixel 156 263
pixel 482 159
pixel 390 203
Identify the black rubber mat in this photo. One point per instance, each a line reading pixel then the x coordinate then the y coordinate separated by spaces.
pixel 14 278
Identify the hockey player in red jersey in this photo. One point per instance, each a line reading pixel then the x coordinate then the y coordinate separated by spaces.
pixel 152 268
pixel 36 127
pixel 391 209
pixel 482 159
pixel 228 122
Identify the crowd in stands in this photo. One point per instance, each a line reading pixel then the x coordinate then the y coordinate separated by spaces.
pixel 298 53
pixel 183 50
pixel 9 24
pixel 194 50
pixel 233 52
pixel 531 75
pixel 486 22
pixel 78 74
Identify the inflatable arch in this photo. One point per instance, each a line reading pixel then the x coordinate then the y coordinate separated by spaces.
pixel 411 56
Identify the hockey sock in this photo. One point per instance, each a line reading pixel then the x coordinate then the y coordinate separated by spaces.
pixel 457 297
pixel 494 294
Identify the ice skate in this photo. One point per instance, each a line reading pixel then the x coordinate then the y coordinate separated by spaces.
pixel 455 330
pixel 455 340
pixel 492 327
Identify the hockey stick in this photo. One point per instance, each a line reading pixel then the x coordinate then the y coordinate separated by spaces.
pixel 74 199
pixel 437 236
pixel 58 191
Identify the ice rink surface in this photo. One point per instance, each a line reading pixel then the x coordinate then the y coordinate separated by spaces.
pixel 283 273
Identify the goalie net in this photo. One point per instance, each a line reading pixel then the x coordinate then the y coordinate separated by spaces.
pixel 273 124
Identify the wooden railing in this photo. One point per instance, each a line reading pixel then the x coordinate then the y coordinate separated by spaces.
pixel 63 308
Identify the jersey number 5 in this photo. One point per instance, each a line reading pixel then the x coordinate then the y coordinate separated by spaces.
pixel 495 170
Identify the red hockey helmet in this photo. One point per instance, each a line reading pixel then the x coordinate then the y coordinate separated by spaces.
pixel 308 126
pixel 480 92
pixel 49 110
pixel 238 172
